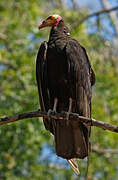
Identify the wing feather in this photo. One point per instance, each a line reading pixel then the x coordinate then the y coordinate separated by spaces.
pixel 82 73
pixel 41 77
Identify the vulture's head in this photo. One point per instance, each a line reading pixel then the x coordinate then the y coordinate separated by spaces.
pixel 52 21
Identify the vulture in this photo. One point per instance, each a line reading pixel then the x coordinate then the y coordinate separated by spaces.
pixel 65 78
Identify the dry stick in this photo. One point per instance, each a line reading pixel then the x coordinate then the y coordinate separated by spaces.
pixel 60 116
pixel 98 13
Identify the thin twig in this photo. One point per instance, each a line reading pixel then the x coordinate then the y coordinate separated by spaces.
pixel 98 13
pixel 60 116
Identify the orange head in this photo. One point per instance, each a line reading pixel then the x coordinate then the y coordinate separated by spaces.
pixel 52 20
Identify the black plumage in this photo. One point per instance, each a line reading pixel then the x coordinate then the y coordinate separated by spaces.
pixel 63 71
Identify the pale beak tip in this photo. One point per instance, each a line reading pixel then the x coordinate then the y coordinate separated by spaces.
pixel 39 27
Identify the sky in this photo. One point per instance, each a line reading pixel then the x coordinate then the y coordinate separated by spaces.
pixel 93 6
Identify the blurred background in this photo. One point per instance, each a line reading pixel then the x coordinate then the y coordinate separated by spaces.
pixel 26 148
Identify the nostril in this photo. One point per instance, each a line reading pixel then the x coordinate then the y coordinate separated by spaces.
pixel 43 22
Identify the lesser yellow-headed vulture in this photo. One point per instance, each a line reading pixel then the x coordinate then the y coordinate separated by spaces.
pixel 65 78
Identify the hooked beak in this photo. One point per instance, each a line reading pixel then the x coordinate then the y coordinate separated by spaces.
pixel 43 24
pixel 47 22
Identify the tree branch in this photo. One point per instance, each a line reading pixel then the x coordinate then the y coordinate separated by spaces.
pixel 112 17
pixel 60 116
pixel 98 13
pixel 104 151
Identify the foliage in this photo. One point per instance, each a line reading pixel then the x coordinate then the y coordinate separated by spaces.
pixel 22 144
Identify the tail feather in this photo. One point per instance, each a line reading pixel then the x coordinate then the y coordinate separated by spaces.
pixel 74 165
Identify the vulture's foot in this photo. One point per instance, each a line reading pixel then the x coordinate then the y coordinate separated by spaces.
pixel 55 105
pixel 49 112
pixel 54 108
pixel 69 110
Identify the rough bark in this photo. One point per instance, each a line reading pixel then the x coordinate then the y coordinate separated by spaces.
pixel 60 116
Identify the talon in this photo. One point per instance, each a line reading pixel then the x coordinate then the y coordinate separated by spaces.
pixel 67 117
pixel 49 112
pixel 51 122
